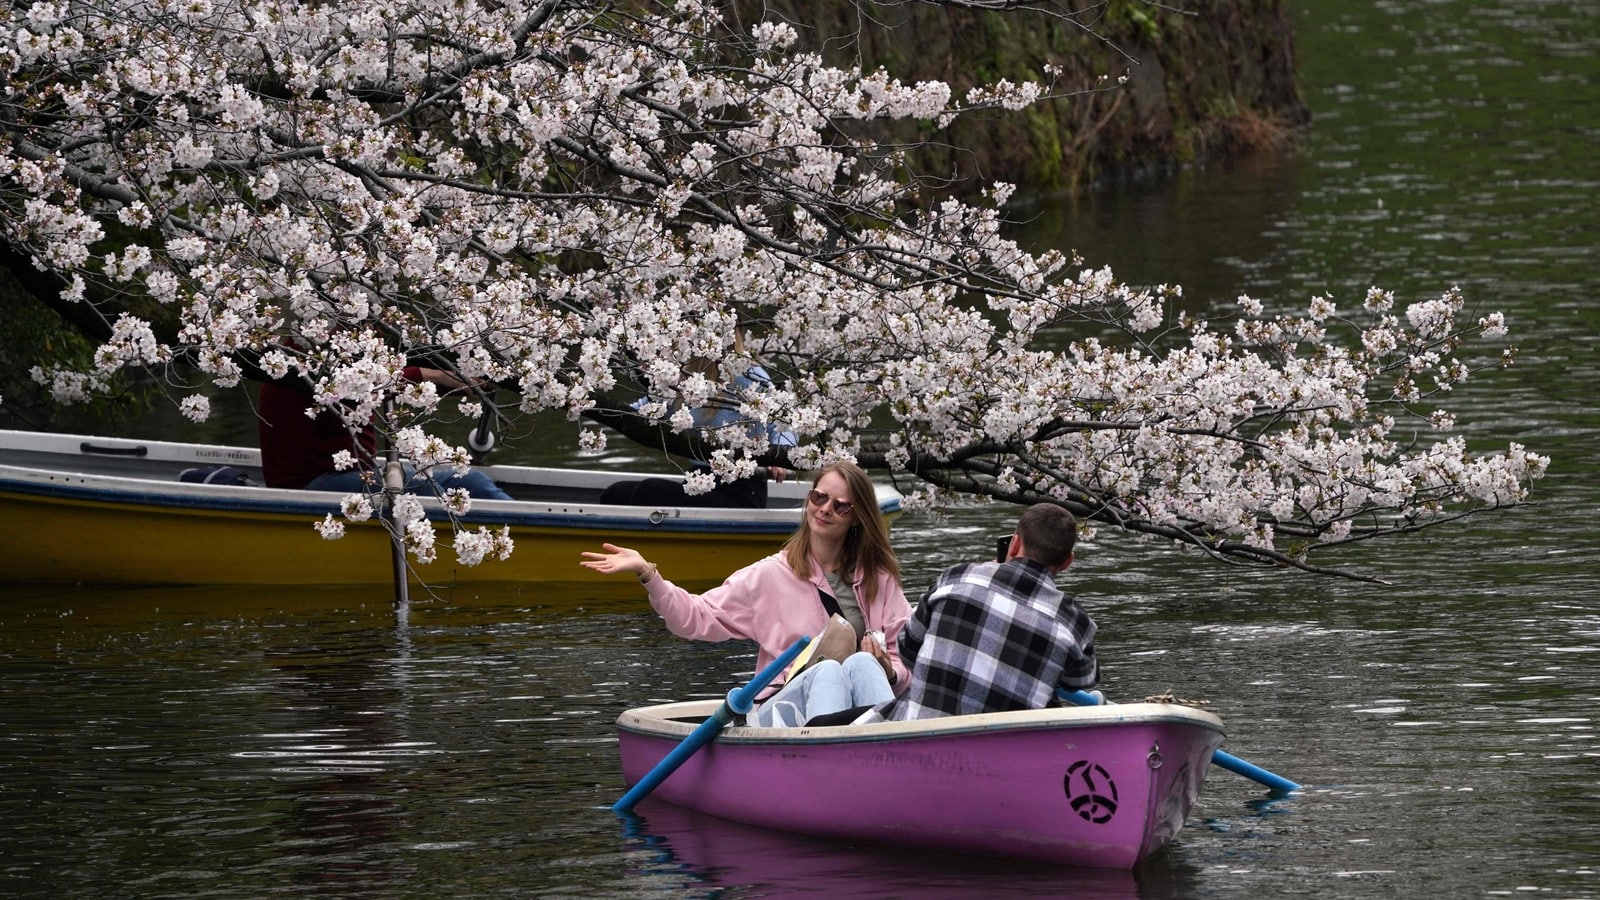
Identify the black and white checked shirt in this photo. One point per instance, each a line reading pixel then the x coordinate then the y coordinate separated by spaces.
pixel 989 637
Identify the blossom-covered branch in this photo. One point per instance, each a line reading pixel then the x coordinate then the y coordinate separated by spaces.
pixel 573 199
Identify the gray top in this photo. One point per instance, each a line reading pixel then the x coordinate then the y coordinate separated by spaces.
pixel 849 606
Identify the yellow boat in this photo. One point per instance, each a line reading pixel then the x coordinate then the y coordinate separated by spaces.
pixel 98 510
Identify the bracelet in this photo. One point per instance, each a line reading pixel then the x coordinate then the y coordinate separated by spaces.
pixel 653 572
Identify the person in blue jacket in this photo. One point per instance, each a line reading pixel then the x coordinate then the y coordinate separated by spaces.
pixel 744 493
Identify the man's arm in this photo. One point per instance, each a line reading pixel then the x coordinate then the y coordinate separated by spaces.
pixel 1082 668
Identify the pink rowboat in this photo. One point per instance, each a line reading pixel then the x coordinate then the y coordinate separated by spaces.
pixel 1104 786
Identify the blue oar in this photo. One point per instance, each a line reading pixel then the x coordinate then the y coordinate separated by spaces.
pixel 739 701
pixel 1226 760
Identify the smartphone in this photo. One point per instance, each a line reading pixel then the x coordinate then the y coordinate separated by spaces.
pixel 1001 545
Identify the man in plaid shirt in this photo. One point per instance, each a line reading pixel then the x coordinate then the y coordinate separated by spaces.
pixel 995 636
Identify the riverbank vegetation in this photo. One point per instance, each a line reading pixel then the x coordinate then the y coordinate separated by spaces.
pixel 1144 87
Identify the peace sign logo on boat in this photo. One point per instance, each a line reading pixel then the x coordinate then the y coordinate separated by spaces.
pixel 1091 792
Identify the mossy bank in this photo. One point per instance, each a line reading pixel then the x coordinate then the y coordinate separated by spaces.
pixel 1205 78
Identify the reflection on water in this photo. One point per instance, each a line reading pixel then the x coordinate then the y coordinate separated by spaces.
pixel 685 849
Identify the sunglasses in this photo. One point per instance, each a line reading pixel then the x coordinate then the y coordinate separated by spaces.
pixel 841 508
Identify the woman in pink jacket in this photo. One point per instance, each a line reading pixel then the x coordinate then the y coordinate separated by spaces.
pixel 838 559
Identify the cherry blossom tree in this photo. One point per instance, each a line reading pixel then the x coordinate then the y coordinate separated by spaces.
pixel 569 199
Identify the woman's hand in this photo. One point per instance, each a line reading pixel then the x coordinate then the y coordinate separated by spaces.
pixel 872 642
pixel 616 559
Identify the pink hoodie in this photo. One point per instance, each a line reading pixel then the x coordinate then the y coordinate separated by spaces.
pixel 767 603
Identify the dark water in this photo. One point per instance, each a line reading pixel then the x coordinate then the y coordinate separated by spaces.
pixel 234 743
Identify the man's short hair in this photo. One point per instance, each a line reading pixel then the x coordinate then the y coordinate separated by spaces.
pixel 1048 533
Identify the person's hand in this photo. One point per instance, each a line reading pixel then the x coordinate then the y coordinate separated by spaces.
pixel 779 473
pixel 614 559
pixel 871 643
pixel 448 382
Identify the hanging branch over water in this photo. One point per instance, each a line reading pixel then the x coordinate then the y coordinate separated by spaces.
pixel 575 199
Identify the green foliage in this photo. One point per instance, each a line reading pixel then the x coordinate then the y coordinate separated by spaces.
pixel 1205 80
pixel 1135 18
pixel 31 334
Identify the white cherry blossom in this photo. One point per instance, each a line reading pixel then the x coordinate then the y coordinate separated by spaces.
pixel 572 204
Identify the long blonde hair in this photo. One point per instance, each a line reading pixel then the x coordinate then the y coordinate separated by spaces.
pixel 866 546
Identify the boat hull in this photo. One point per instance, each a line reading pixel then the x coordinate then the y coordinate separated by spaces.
pixel 98 542
pixel 115 513
pixel 1104 787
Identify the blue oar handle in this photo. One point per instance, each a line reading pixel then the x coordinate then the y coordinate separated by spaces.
pixel 1253 772
pixel 739 701
pixel 1225 760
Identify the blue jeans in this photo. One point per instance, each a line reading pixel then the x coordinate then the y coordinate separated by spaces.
pixel 826 687
pixel 477 484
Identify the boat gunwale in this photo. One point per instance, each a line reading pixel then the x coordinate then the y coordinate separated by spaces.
pixel 669 722
pixel 136 493
pixel 61 444
pixel 67 483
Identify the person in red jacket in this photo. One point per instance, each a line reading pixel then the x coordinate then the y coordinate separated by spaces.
pixel 297 450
